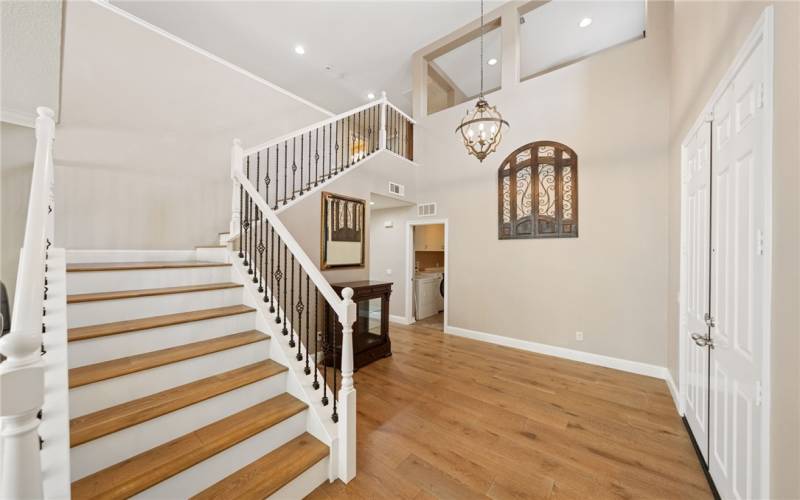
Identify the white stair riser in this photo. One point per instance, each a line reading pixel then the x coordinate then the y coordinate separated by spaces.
pixel 111 449
pixel 212 254
pixel 305 483
pixel 83 256
pixel 93 397
pixel 108 311
pixel 110 281
pixel 201 476
pixel 86 352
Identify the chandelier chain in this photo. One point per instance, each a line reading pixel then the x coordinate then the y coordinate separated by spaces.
pixel 481 64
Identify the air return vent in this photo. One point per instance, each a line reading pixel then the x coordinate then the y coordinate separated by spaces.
pixel 397 189
pixel 426 209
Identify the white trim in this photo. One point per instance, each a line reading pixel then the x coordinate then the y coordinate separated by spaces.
pixel 762 31
pixel 17 117
pixel 673 391
pixel 625 365
pixel 141 22
pixel 81 256
pixel 338 176
pixel 410 265
pixel 396 318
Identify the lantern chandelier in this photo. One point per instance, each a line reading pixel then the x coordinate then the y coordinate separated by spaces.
pixel 482 128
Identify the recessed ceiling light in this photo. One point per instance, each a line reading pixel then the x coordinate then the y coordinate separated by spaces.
pixel 298 49
pixel 586 21
pixel 491 62
pixel 370 96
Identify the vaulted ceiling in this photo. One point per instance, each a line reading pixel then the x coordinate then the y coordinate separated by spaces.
pixel 351 48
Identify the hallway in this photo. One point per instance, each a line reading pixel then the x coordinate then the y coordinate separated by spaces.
pixel 447 417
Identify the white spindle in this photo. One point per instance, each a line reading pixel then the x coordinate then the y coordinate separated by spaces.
pixel 22 374
pixel 382 134
pixel 237 157
pixel 347 393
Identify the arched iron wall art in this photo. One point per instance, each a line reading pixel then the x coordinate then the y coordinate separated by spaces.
pixel 537 192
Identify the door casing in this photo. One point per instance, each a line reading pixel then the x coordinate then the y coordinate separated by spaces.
pixel 763 32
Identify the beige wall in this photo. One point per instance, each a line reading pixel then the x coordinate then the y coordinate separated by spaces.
pixel 17 146
pixel 387 252
pixel 373 176
pixel 609 283
pixel 706 37
pixel 142 151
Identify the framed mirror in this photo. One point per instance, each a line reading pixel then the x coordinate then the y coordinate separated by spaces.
pixel 343 231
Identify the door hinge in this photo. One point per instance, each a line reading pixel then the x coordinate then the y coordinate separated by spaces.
pixel 760 96
pixel 759 393
pixel 759 242
pixel 709 319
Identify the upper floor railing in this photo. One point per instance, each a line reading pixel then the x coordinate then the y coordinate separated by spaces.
pixel 288 167
pixel 22 370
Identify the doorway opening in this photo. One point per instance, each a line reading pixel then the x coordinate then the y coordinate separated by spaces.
pixel 427 274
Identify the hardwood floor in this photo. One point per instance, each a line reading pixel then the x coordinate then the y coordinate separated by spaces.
pixel 447 417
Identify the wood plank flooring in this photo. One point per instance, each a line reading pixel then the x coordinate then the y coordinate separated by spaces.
pixel 447 417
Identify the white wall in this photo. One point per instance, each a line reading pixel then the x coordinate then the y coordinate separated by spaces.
pixel 142 151
pixel 17 146
pixel 609 283
pixel 387 252
pixel 30 58
pixel 706 38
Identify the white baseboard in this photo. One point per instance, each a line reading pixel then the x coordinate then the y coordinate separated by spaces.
pixel 562 352
pixel 401 320
pixel 673 390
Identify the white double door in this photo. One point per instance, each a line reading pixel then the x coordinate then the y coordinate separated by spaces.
pixel 725 269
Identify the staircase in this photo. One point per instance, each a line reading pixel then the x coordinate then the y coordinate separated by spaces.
pixel 172 389
pixel 212 373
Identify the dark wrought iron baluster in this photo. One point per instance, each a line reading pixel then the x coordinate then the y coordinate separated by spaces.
pixel 299 308
pixel 278 276
pixel 316 155
pixel 277 175
pixel 307 369
pixel 294 162
pixel 339 127
pixel 242 235
pixel 331 160
pixel 289 305
pixel 241 219
pixel 265 264
pixel 285 161
pixel 325 353
pixel 334 415
pixel 250 254
pixel 316 338
pixel 266 177
pixel 272 270
pixel 323 152
pixel 284 305
pixel 260 249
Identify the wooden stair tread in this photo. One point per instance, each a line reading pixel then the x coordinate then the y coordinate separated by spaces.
pixel 78 267
pixel 147 469
pixel 148 292
pixel 269 473
pixel 132 325
pixel 116 367
pixel 100 423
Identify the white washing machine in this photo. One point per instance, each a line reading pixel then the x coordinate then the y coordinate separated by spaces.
pixel 428 294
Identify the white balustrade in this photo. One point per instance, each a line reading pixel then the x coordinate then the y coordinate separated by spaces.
pixel 22 373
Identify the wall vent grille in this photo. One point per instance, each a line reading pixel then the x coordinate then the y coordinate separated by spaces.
pixel 397 189
pixel 426 209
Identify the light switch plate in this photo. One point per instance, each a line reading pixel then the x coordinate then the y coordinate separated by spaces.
pixel 388 223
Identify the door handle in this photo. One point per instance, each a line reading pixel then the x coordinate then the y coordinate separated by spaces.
pixel 702 340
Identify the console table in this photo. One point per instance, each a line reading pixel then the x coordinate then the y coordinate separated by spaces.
pixel 370 329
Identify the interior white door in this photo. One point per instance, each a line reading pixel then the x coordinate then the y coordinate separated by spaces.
pixel 697 239
pixel 738 298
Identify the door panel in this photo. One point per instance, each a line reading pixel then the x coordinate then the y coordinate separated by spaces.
pixel 698 218
pixel 738 272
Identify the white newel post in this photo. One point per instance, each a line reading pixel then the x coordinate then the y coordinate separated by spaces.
pixel 347 393
pixel 22 374
pixel 382 133
pixel 237 157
